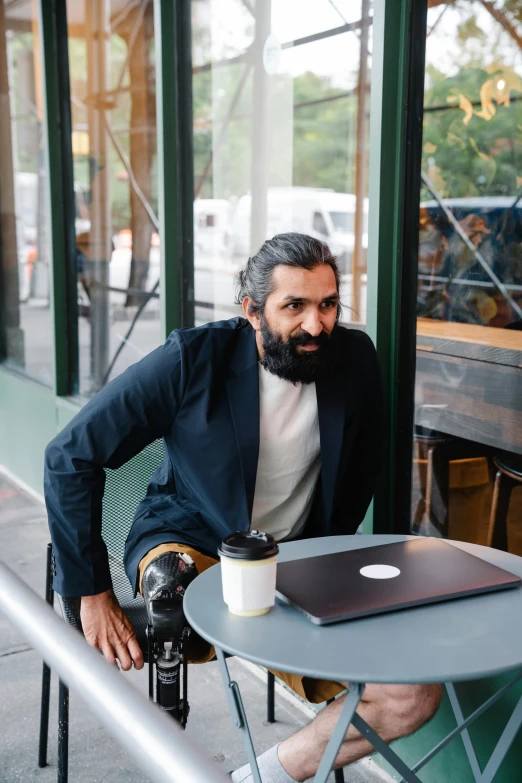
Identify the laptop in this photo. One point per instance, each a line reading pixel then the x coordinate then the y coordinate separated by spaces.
pixel 377 579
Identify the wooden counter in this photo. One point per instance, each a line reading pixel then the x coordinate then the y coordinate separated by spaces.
pixel 473 375
pixel 485 343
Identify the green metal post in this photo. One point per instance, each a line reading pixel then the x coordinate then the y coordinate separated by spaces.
pixel 387 154
pixel 58 150
pixel 11 332
pixel 186 152
pixel 174 133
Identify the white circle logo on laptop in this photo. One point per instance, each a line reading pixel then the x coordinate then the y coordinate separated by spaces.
pixel 380 571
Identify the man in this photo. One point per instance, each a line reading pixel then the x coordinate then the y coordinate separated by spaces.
pixel 272 422
pixel 468 303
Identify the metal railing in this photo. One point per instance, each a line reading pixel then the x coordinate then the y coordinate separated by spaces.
pixel 163 751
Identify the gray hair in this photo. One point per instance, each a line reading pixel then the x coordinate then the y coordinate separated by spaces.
pixel 297 250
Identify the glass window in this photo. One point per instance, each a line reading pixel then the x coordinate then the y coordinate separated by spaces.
pixel 24 216
pixel 113 89
pixel 319 224
pixel 467 478
pixel 281 105
pixel 343 221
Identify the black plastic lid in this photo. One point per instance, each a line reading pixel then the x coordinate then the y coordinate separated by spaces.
pixel 254 545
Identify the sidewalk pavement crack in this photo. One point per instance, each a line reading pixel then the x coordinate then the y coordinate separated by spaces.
pixel 20 648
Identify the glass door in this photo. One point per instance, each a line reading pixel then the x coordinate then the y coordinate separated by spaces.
pixel 467 455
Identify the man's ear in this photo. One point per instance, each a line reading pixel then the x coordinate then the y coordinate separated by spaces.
pixel 251 313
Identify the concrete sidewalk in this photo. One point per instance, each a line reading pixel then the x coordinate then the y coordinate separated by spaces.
pixel 94 757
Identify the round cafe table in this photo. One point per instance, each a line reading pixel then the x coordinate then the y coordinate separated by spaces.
pixel 461 639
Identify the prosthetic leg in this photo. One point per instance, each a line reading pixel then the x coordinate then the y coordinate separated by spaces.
pixel 163 586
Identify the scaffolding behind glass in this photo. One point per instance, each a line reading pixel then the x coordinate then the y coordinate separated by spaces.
pixel 113 105
pixel 281 107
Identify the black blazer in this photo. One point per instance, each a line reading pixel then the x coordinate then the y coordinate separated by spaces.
pixel 200 393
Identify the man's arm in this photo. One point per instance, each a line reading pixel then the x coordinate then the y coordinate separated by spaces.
pixel 132 411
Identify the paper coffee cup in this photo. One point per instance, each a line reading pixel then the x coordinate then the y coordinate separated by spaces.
pixel 248 571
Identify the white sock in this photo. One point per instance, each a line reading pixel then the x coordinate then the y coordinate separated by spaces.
pixel 270 769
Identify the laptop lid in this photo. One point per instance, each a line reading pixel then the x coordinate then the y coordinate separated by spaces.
pixel 372 580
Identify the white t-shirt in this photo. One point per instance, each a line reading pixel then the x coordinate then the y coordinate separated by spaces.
pixel 289 455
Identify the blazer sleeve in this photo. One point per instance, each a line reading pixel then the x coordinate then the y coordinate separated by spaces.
pixel 357 486
pixel 130 412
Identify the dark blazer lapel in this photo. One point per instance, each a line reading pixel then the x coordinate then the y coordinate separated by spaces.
pixel 331 406
pixel 243 397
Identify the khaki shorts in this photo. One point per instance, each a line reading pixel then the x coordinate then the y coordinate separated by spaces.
pixel 315 691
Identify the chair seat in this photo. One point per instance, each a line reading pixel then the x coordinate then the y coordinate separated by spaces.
pixel 510 463
pixel 427 434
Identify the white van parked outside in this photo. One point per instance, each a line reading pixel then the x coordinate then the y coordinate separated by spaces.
pixel 211 228
pixel 321 213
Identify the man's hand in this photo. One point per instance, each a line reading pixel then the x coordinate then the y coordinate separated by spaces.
pixel 108 629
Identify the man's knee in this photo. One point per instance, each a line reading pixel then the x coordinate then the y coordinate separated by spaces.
pixel 410 706
pixel 404 708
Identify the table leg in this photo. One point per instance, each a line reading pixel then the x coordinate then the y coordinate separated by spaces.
pixel 466 739
pixel 351 703
pixel 503 745
pixel 467 722
pixel 347 716
pixel 462 724
pixel 238 711
pixel 384 749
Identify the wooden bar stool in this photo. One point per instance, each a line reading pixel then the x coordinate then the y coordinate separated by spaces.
pixel 509 476
pixel 434 503
pixel 436 450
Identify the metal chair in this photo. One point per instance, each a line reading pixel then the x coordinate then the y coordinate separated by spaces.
pixel 124 489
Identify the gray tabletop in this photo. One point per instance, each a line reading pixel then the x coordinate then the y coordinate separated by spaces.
pixel 462 639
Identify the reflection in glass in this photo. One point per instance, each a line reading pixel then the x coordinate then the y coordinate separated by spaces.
pixel 470 266
pixel 111 54
pixel 281 104
pixel 467 477
pixel 24 218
